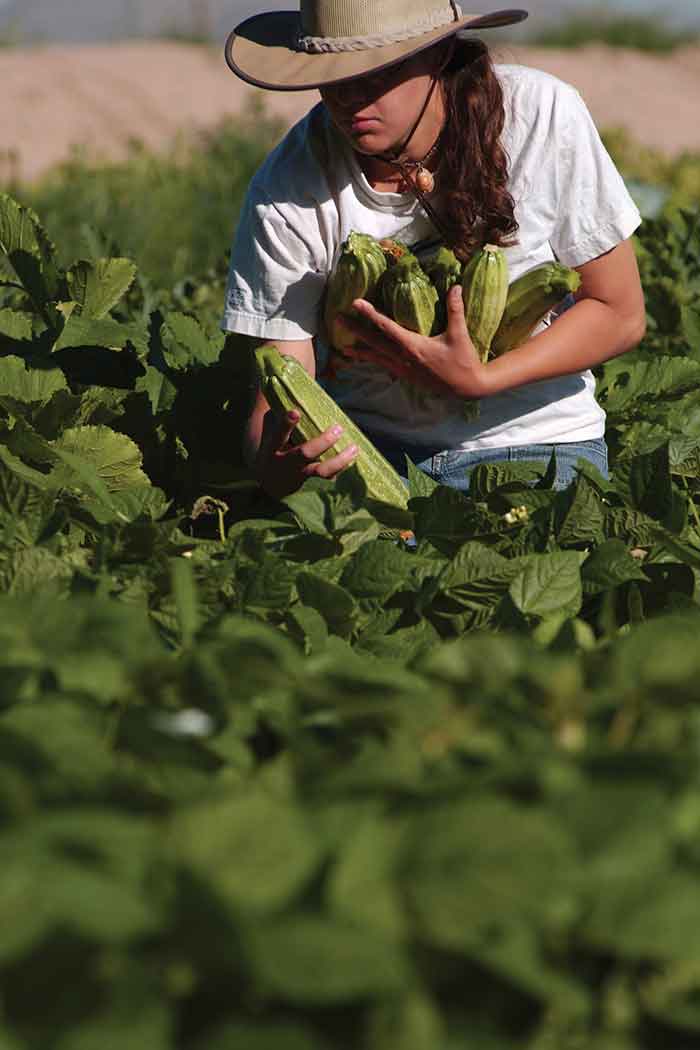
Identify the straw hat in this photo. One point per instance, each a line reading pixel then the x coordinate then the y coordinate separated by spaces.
pixel 329 41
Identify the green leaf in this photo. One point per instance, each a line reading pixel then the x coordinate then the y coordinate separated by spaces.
pixel 35 570
pixel 377 570
pixel 489 477
pixel 16 325
pixel 26 473
pixel 28 385
pixel 548 583
pixel 261 1034
pixel 309 508
pixel 114 457
pixel 441 519
pixel 98 285
pixel 139 1026
pixel 308 626
pixel 411 1021
pixel 419 483
pixel 186 344
pixel 610 565
pixel 334 603
pixel 81 331
pixel 21 231
pixel 25 510
pixel 362 886
pixel 579 515
pixel 654 916
pixel 646 483
pixel 491 865
pixel 466 592
pixel 159 389
pixel 626 381
pixel 256 851
pixel 185 594
pixel 310 960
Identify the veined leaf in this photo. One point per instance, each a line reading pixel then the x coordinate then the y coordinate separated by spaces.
pixel 20 230
pixel 98 285
pixel 81 331
pixel 26 245
pixel 419 483
pixel 15 324
pixel 159 389
pixel 625 381
pixel 645 482
pixel 469 587
pixel 115 458
pixel 549 583
pixel 334 603
pixel 377 570
pixel 34 570
pixel 23 471
pixel 26 385
pixel 609 565
pixel 186 344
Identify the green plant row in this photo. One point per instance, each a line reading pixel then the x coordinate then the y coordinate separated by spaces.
pixel 268 778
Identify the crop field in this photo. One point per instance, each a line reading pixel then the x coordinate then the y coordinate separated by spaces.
pixel 272 779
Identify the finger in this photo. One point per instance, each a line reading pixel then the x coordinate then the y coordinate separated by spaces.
pixel 277 430
pixel 390 329
pixel 456 323
pixel 328 468
pixel 313 448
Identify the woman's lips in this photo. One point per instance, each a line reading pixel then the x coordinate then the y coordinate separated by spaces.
pixel 359 124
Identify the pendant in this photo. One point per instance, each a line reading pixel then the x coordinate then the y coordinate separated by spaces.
pixel 424 180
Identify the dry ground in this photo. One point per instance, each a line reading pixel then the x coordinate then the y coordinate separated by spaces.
pixel 104 96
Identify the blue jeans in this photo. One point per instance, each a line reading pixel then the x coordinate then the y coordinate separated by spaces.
pixel 453 467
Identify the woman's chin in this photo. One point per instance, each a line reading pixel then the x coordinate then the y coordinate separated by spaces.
pixel 368 143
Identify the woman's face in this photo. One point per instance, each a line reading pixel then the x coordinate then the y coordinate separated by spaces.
pixel 376 112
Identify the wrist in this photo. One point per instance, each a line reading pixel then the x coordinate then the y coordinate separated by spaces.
pixel 474 382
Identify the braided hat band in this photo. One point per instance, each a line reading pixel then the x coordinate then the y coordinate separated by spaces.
pixel 409 25
pixel 332 41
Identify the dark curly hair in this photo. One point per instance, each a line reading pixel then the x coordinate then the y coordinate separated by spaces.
pixel 473 170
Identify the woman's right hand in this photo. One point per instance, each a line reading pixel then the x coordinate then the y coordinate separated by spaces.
pixel 282 467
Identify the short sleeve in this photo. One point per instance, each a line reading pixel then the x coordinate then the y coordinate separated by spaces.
pixel 594 211
pixel 274 287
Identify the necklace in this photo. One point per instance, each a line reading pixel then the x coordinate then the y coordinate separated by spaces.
pixel 413 172
pixel 422 176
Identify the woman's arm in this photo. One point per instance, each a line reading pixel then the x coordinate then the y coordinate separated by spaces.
pixel 607 319
pixel 280 466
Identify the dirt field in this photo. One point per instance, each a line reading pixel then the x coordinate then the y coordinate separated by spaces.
pixel 102 97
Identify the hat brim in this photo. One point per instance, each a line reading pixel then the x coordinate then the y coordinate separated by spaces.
pixel 261 51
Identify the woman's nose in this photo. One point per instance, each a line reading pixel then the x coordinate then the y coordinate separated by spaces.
pixel 348 96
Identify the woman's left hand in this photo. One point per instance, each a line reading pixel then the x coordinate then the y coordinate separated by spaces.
pixel 447 363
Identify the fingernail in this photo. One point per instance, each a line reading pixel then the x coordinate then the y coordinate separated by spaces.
pixel 352 449
pixel 337 430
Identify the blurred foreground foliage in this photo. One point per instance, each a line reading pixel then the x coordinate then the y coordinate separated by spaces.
pixel 270 778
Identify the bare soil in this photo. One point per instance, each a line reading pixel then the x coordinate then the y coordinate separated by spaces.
pixel 103 97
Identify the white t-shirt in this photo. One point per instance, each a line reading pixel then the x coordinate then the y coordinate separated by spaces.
pixel 570 203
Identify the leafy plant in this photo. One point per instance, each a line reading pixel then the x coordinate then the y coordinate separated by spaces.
pixel 268 778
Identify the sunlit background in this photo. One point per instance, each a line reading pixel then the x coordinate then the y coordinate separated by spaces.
pixel 92 20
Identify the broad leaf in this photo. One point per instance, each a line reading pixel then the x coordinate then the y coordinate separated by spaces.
pixel 98 285
pixel 548 583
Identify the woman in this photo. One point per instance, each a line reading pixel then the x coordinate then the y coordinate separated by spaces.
pixel 504 154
